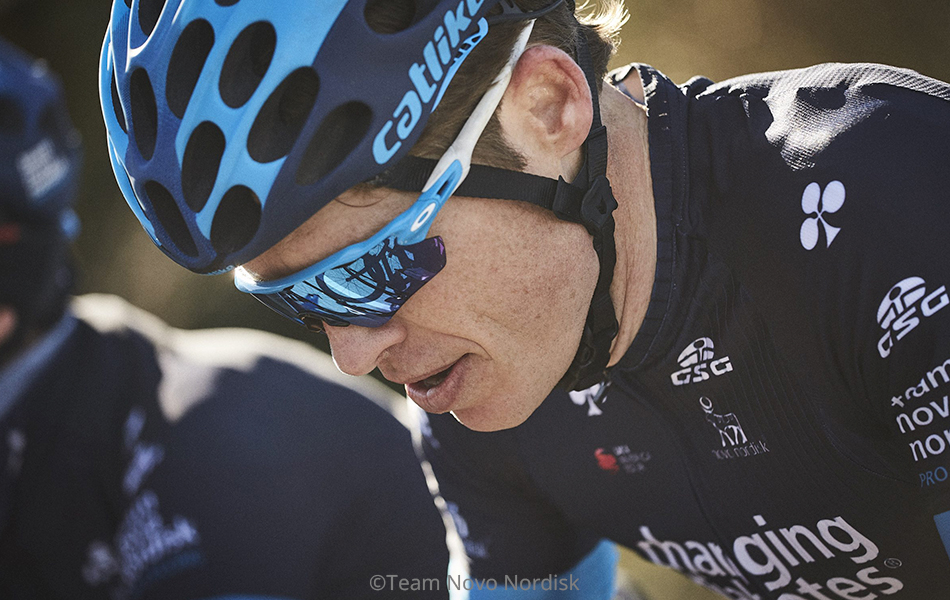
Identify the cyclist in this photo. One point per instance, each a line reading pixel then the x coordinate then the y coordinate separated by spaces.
pixel 140 461
pixel 745 289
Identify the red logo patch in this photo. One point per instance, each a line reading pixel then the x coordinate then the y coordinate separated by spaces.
pixel 606 460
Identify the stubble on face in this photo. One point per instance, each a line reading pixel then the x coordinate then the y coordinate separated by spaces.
pixel 506 312
pixel 515 290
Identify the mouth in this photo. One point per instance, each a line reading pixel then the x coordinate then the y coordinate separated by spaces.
pixel 435 380
pixel 437 393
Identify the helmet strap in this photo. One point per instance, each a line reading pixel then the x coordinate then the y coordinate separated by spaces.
pixel 596 214
pixel 587 200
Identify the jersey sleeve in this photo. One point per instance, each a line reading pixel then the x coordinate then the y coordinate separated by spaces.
pixel 509 529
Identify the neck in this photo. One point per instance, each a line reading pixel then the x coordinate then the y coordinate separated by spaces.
pixel 628 168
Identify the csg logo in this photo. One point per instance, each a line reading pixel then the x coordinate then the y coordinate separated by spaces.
pixel 903 307
pixel 698 364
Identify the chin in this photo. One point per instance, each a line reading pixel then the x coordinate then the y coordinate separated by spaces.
pixel 493 417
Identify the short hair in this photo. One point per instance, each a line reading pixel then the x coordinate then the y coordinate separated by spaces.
pixel 558 28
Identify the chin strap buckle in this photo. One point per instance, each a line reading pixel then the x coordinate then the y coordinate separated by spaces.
pixel 598 206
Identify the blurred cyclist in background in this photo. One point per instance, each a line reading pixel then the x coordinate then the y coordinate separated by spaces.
pixel 141 461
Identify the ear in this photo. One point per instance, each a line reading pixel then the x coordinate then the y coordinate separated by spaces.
pixel 8 322
pixel 546 111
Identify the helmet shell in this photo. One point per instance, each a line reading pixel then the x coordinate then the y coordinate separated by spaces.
pixel 231 122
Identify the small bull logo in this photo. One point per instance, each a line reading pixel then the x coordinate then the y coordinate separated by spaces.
pixel 730 432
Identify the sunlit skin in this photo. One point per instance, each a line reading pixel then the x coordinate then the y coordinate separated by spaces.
pixel 507 311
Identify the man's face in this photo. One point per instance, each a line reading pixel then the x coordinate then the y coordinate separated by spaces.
pixel 492 333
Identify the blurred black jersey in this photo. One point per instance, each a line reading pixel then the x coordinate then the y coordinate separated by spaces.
pixel 146 462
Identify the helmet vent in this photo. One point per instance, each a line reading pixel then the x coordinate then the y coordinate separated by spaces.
pixel 389 16
pixel 200 165
pixel 283 116
pixel 149 12
pixel 236 221
pixel 188 59
pixel 340 133
pixel 170 217
pixel 117 106
pixel 11 118
pixel 225 2
pixel 247 63
pixel 144 112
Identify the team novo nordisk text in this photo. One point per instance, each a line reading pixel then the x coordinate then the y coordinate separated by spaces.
pixel 381 583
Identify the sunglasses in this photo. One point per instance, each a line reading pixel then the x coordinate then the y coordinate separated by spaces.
pixel 365 283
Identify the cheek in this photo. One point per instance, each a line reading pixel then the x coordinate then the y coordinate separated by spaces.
pixel 531 332
pixel 519 275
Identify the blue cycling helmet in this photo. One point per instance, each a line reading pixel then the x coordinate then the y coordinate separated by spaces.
pixel 39 148
pixel 231 122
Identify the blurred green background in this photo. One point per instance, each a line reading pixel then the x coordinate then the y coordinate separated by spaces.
pixel 715 38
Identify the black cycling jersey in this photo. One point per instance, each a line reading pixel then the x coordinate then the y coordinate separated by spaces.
pixel 156 464
pixel 780 427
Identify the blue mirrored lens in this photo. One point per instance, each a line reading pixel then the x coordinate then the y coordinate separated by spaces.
pixel 366 292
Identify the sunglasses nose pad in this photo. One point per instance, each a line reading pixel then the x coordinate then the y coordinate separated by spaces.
pixel 316 323
pixel 311 322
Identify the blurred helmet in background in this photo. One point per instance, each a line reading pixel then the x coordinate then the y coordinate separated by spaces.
pixel 40 160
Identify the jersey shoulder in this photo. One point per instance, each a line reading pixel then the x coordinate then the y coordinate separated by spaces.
pixel 197 365
pixel 823 190
pixel 250 439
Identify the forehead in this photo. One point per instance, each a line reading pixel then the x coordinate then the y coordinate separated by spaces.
pixel 352 217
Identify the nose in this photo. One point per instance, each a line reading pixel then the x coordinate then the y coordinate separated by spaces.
pixel 356 350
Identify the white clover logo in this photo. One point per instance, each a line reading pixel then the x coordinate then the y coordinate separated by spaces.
pixel 816 204
pixel 593 396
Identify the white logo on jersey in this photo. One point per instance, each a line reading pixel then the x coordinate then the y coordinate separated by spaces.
pixel 735 443
pixel 134 425
pixel 41 169
pixel 903 307
pixel 816 204
pixel 144 457
pixel 775 556
pixel 593 396
pixel 101 564
pixel 730 431
pixel 698 364
pixel 142 541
